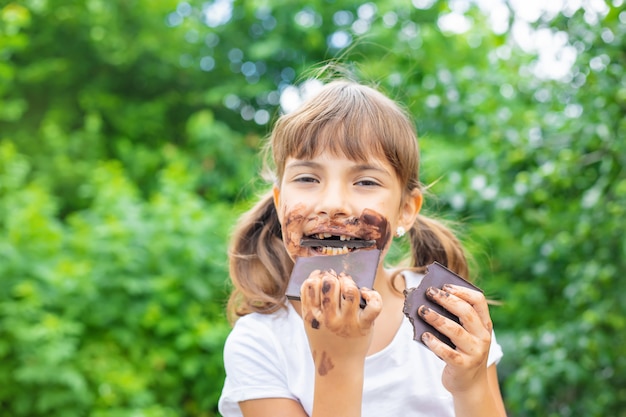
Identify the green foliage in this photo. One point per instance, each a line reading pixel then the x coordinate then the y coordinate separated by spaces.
pixel 128 129
pixel 114 88
pixel 117 310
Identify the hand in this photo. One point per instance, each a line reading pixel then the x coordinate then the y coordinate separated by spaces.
pixel 337 328
pixel 466 366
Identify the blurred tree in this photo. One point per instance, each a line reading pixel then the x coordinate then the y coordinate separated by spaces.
pixel 128 130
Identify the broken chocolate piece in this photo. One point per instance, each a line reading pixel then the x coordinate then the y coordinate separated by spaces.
pixel 360 265
pixel 436 276
pixel 334 243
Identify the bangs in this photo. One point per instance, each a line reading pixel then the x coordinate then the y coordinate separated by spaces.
pixel 348 120
pixel 348 134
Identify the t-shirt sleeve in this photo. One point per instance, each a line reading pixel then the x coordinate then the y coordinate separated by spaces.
pixel 495 351
pixel 254 364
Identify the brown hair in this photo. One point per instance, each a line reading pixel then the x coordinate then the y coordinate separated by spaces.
pixel 350 119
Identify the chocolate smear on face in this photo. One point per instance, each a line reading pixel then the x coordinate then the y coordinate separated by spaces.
pixel 370 230
pixel 377 228
pixel 294 222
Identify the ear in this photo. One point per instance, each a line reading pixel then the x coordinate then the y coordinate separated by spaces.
pixel 410 209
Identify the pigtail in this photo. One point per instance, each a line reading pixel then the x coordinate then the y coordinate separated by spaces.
pixel 259 264
pixel 432 241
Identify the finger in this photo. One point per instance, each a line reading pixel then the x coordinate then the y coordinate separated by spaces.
pixel 445 352
pixel 350 295
pixel 455 332
pixel 372 309
pixel 476 299
pixel 330 294
pixel 466 313
pixel 310 299
pixel 309 291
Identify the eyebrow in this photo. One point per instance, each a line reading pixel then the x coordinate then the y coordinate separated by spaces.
pixel 304 164
pixel 368 167
pixel 316 165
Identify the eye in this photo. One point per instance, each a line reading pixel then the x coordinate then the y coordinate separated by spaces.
pixel 305 179
pixel 367 182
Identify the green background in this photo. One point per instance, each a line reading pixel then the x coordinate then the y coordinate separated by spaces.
pixel 129 133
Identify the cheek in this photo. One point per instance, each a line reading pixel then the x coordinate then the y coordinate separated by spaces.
pixel 375 226
pixel 292 225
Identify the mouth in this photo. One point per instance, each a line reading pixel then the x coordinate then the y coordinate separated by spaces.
pixel 329 244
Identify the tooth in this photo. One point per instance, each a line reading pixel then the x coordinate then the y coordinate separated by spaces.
pixel 320 236
pixel 327 235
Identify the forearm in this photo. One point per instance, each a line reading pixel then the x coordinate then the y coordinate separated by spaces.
pixel 479 401
pixel 338 388
pixel 339 333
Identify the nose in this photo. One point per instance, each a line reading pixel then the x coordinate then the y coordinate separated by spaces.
pixel 333 200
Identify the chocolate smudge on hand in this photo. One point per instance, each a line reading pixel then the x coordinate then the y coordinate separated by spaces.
pixel 325 365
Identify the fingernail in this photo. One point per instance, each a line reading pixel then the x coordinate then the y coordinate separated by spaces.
pixel 426 337
pixel 448 287
pixel 424 311
pixel 432 291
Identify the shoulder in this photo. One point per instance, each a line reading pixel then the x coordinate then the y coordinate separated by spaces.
pixel 262 335
pixel 411 278
pixel 260 326
pixel 263 354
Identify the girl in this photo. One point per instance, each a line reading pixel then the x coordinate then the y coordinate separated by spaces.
pixel 346 150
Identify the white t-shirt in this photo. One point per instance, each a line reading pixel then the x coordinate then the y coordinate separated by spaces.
pixel 268 356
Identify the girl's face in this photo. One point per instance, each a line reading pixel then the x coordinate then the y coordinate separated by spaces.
pixel 325 197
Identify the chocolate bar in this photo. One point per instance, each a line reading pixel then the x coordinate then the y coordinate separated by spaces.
pixel 360 265
pixel 335 243
pixel 437 275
